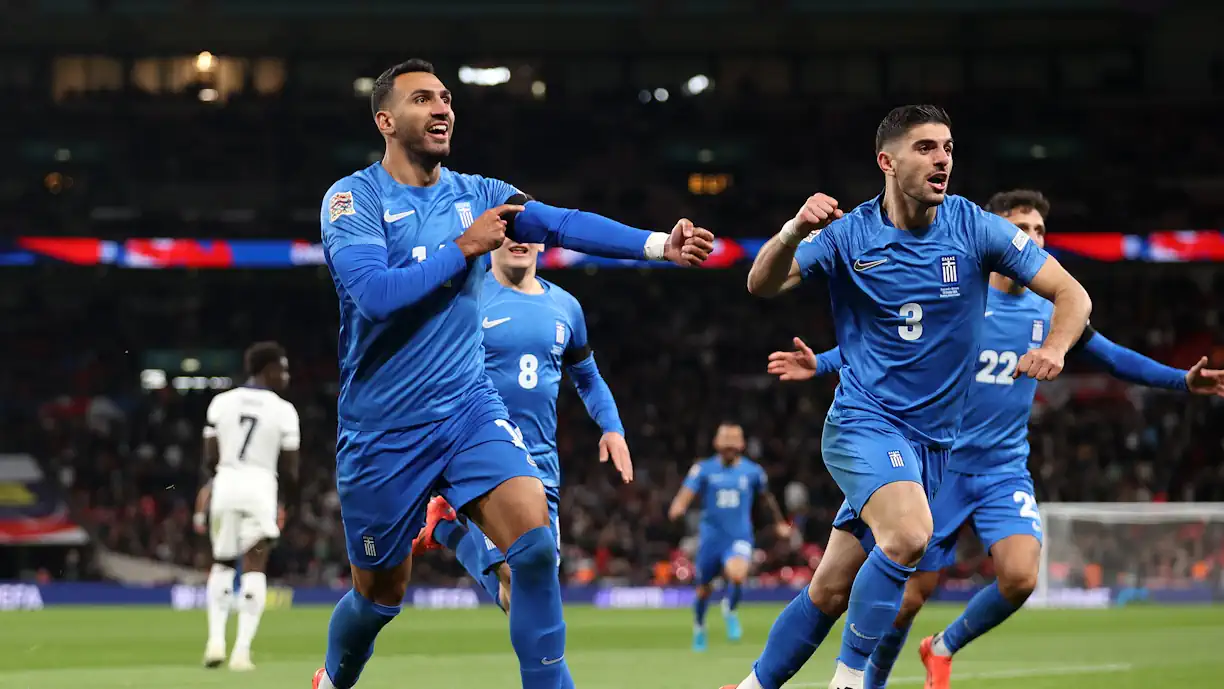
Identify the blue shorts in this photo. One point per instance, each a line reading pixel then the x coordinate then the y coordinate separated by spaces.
pixel 385 478
pixel 865 453
pixel 712 557
pixel 995 505
pixel 490 556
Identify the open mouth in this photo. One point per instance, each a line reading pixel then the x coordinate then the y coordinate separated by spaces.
pixel 938 181
pixel 519 250
pixel 438 131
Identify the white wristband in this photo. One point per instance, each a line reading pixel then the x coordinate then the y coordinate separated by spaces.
pixel 790 234
pixel 198 519
pixel 656 244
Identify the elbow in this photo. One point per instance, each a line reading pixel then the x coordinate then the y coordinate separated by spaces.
pixel 371 311
pixel 759 287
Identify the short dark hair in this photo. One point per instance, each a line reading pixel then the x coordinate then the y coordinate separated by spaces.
pixel 385 82
pixel 262 355
pixel 900 120
pixel 1004 202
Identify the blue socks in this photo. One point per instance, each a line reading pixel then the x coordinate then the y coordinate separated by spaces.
pixel 350 636
pixel 468 553
pixel 700 605
pixel 880 666
pixel 986 610
pixel 875 599
pixel 537 626
pixel 734 591
pixel 792 639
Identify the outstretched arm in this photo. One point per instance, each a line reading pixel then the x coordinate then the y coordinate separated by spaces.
pixel 802 363
pixel 1133 367
pixel 540 223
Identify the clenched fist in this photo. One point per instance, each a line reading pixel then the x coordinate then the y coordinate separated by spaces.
pixel 487 232
pixel 1042 363
pixel 688 246
pixel 817 212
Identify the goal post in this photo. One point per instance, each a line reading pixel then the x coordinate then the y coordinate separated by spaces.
pixel 1101 554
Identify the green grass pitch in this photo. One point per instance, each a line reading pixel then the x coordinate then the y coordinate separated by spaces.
pixel 146 648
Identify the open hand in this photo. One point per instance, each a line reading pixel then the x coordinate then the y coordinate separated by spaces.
pixel 612 445
pixel 797 365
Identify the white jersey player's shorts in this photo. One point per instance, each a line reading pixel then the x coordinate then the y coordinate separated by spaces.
pixel 241 513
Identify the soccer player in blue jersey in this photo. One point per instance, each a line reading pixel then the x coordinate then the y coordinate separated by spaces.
pixel 533 330
pixel 405 240
pixel 907 278
pixel 728 485
pixel 987 483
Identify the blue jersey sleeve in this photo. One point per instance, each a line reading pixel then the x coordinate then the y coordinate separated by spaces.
pixel 350 216
pixel 1131 366
pixel 1006 249
pixel 577 230
pixel 496 191
pixel 592 388
pixel 828 362
pixel 354 239
pixel 695 481
pixel 762 480
pixel 818 251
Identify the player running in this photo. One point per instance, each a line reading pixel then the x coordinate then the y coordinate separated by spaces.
pixel 405 240
pixel 987 482
pixel 249 431
pixel 907 278
pixel 728 484
pixel 533 330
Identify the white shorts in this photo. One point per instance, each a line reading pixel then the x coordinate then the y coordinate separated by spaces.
pixel 241 513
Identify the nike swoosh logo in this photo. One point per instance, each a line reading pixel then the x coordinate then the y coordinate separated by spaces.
pixel 860 266
pixel 388 217
pixel 551 661
pixel 860 635
pixel 493 324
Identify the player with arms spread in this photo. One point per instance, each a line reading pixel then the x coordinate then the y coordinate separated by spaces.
pixel 727 484
pixel 249 431
pixel 533 330
pixel 907 275
pixel 987 483
pixel 405 240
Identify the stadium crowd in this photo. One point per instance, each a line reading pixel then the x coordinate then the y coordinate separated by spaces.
pixel 129 458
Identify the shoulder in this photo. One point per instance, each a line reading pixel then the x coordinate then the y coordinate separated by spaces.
pixel 562 298
pixel 347 195
pixel 470 183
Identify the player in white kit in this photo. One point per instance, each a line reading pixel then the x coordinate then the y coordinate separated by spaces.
pixel 250 432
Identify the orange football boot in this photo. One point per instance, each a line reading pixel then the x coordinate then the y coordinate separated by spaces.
pixel 439 510
pixel 938 668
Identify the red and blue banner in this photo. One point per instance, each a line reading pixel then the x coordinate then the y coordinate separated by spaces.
pixel 1158 247
pixel 32 510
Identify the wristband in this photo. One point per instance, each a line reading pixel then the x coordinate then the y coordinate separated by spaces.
pixel 656 246
pixel 199 519
pixel 790 234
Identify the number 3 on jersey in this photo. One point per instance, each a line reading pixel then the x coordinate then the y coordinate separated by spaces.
pixel 912 330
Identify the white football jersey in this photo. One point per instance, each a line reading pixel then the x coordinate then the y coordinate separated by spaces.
pixel 252 426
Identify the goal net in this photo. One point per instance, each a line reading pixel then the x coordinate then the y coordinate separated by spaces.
pixel 1099 554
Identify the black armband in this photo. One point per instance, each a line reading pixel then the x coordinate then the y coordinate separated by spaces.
pixel 576 356
pixel 1089 333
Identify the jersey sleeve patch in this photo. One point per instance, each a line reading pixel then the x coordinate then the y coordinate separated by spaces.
pixel 695 471
pixel 1020 239
pixel 340 203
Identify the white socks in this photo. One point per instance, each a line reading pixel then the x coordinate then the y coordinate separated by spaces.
pixel 846 678
pixel 253 595
pixel 220 593
pixel 750 682
pixel 939 648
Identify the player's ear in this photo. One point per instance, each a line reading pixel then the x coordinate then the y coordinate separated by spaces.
pixel 385 122
pixel 885 161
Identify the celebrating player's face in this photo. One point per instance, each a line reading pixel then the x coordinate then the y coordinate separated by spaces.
pixel 922 162
pixel 1029 220
pixel 515 255
pixel 422 115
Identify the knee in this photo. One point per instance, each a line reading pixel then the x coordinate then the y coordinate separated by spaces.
pixel 906 544
pixel 385 587
pixel 533 552
pixel 831 596
pixel 1017 585
pixel 703 591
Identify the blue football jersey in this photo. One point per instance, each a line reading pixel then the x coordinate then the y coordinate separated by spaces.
pixel 994 434
pixel 418 365
pixel 525 339
pixel 727 494
pixel 907 308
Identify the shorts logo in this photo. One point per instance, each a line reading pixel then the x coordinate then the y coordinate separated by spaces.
pixel 341 203
pixel 897 460
pixel 465 213
pixel 489 544
pixel 368 543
